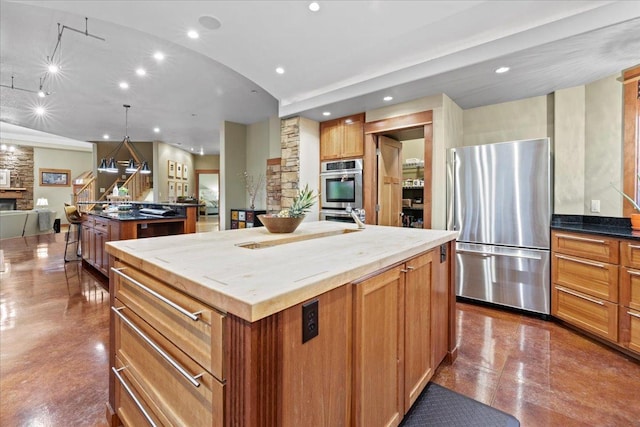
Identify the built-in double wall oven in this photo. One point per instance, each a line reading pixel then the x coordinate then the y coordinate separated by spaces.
pixel 341 188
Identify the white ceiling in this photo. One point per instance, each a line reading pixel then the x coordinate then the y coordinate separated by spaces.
pixel 342 59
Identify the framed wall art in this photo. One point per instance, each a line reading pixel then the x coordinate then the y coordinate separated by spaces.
pixel 185 190
pixel 172 189
pixel 171 169
pixel 178 170
pixel 184 172
pixel 178 189
pixel 5 178
pixel 55 177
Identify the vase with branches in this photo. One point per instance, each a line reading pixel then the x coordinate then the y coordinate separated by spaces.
pixel 635 218
pixel 253 186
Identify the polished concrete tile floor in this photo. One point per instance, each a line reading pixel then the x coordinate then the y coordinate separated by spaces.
pixel 53 354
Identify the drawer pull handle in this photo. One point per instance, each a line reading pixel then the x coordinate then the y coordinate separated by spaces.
pixel 633 272
pixel 192 316
pixel 132 395
pixel 575 294
pixel 633 246
pixel 192 379
pixel 581 239
pixel 581 261
pixel 630 313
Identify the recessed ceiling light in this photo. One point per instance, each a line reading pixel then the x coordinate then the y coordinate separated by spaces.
pixel 348 121
pixel 156 130
pixel 502 70
pixel 387 98
pixel 105 136
pixel 53 68
pixel 280 70
pixel 209 22
pixel 141 71
pixel 193 34
pixel 40 110
pixel 326 113
pixel 123 85
pixel 314 6
pixel 158 56
pixel 191 148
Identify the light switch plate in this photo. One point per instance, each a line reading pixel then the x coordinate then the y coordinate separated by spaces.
pixel 595 206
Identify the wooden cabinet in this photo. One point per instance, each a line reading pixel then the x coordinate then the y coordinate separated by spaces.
pixel 379 341
pixel 596 286
pixel 585 282
pixel 342 138
pixel 418 366
pixel 168 354
pixel 245 218
pixel 394 358
pixel 379 347
pixel 630 295
pixel 95 233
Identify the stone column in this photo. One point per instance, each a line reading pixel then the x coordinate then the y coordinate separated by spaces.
pixel 290 160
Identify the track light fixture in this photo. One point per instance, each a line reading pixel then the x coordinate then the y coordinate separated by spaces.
pixel 137 163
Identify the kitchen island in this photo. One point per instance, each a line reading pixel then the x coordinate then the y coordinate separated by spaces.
pixel 329 325
pixel 101 226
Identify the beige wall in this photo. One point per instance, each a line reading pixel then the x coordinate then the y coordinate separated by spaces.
pixel 509 121
pixel 206 162
pixel 569 164
pixel 76 161
pixel 258 144
pixel 310 161
pixel 163 153
pixel 233 161
pixel 603 145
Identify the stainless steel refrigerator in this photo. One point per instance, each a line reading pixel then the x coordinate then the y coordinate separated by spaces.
pixel 499 198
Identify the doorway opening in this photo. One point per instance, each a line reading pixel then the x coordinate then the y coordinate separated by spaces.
pixel 208 185
pixel 398 155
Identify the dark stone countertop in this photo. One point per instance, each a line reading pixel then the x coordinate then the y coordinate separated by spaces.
pixel 619 228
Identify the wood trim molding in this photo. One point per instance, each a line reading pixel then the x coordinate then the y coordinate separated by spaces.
pixel 400 122
pixel 424 118
pixel 631 117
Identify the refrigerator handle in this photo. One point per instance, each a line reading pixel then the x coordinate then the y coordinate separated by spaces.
pixel 490 254
pixel 451 208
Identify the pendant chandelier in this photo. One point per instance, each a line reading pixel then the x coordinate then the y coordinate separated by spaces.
pixel 108 164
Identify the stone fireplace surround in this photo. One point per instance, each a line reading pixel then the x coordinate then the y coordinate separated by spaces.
pixel 20 165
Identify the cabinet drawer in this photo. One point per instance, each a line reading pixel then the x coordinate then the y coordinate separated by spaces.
pixel 101 223
pixel 595 278
pixel 630 254
pixel 585 245
pixel 630 328
pixel 591 314
pixel 132 410
pixel 177 390
pixel 630 288
pixel 191 325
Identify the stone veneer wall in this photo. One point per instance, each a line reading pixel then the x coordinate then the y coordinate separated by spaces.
pixel 290 160
pixel 20 165
pixel 274 188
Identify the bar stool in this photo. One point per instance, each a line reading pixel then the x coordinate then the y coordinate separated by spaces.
pixel 75 220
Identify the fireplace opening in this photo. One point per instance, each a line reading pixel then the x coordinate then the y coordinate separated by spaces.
pixel 7 204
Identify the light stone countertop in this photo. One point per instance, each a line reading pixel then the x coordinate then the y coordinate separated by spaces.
pixel 255 283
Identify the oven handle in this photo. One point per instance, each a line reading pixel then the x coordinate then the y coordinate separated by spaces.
pixel 342 172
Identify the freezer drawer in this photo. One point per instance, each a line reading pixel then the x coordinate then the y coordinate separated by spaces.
pixel 511 277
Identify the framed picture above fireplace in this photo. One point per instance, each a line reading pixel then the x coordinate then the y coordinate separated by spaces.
pixel 55 177
pixel 5 178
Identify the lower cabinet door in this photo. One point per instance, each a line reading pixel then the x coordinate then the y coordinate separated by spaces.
pixel 630 288
pixel 592 314
pixel 630 328
pixel 378 348
pixel 177 390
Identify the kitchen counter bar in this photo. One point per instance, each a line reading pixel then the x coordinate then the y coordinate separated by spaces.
pixel 254 274
pixel 602 226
